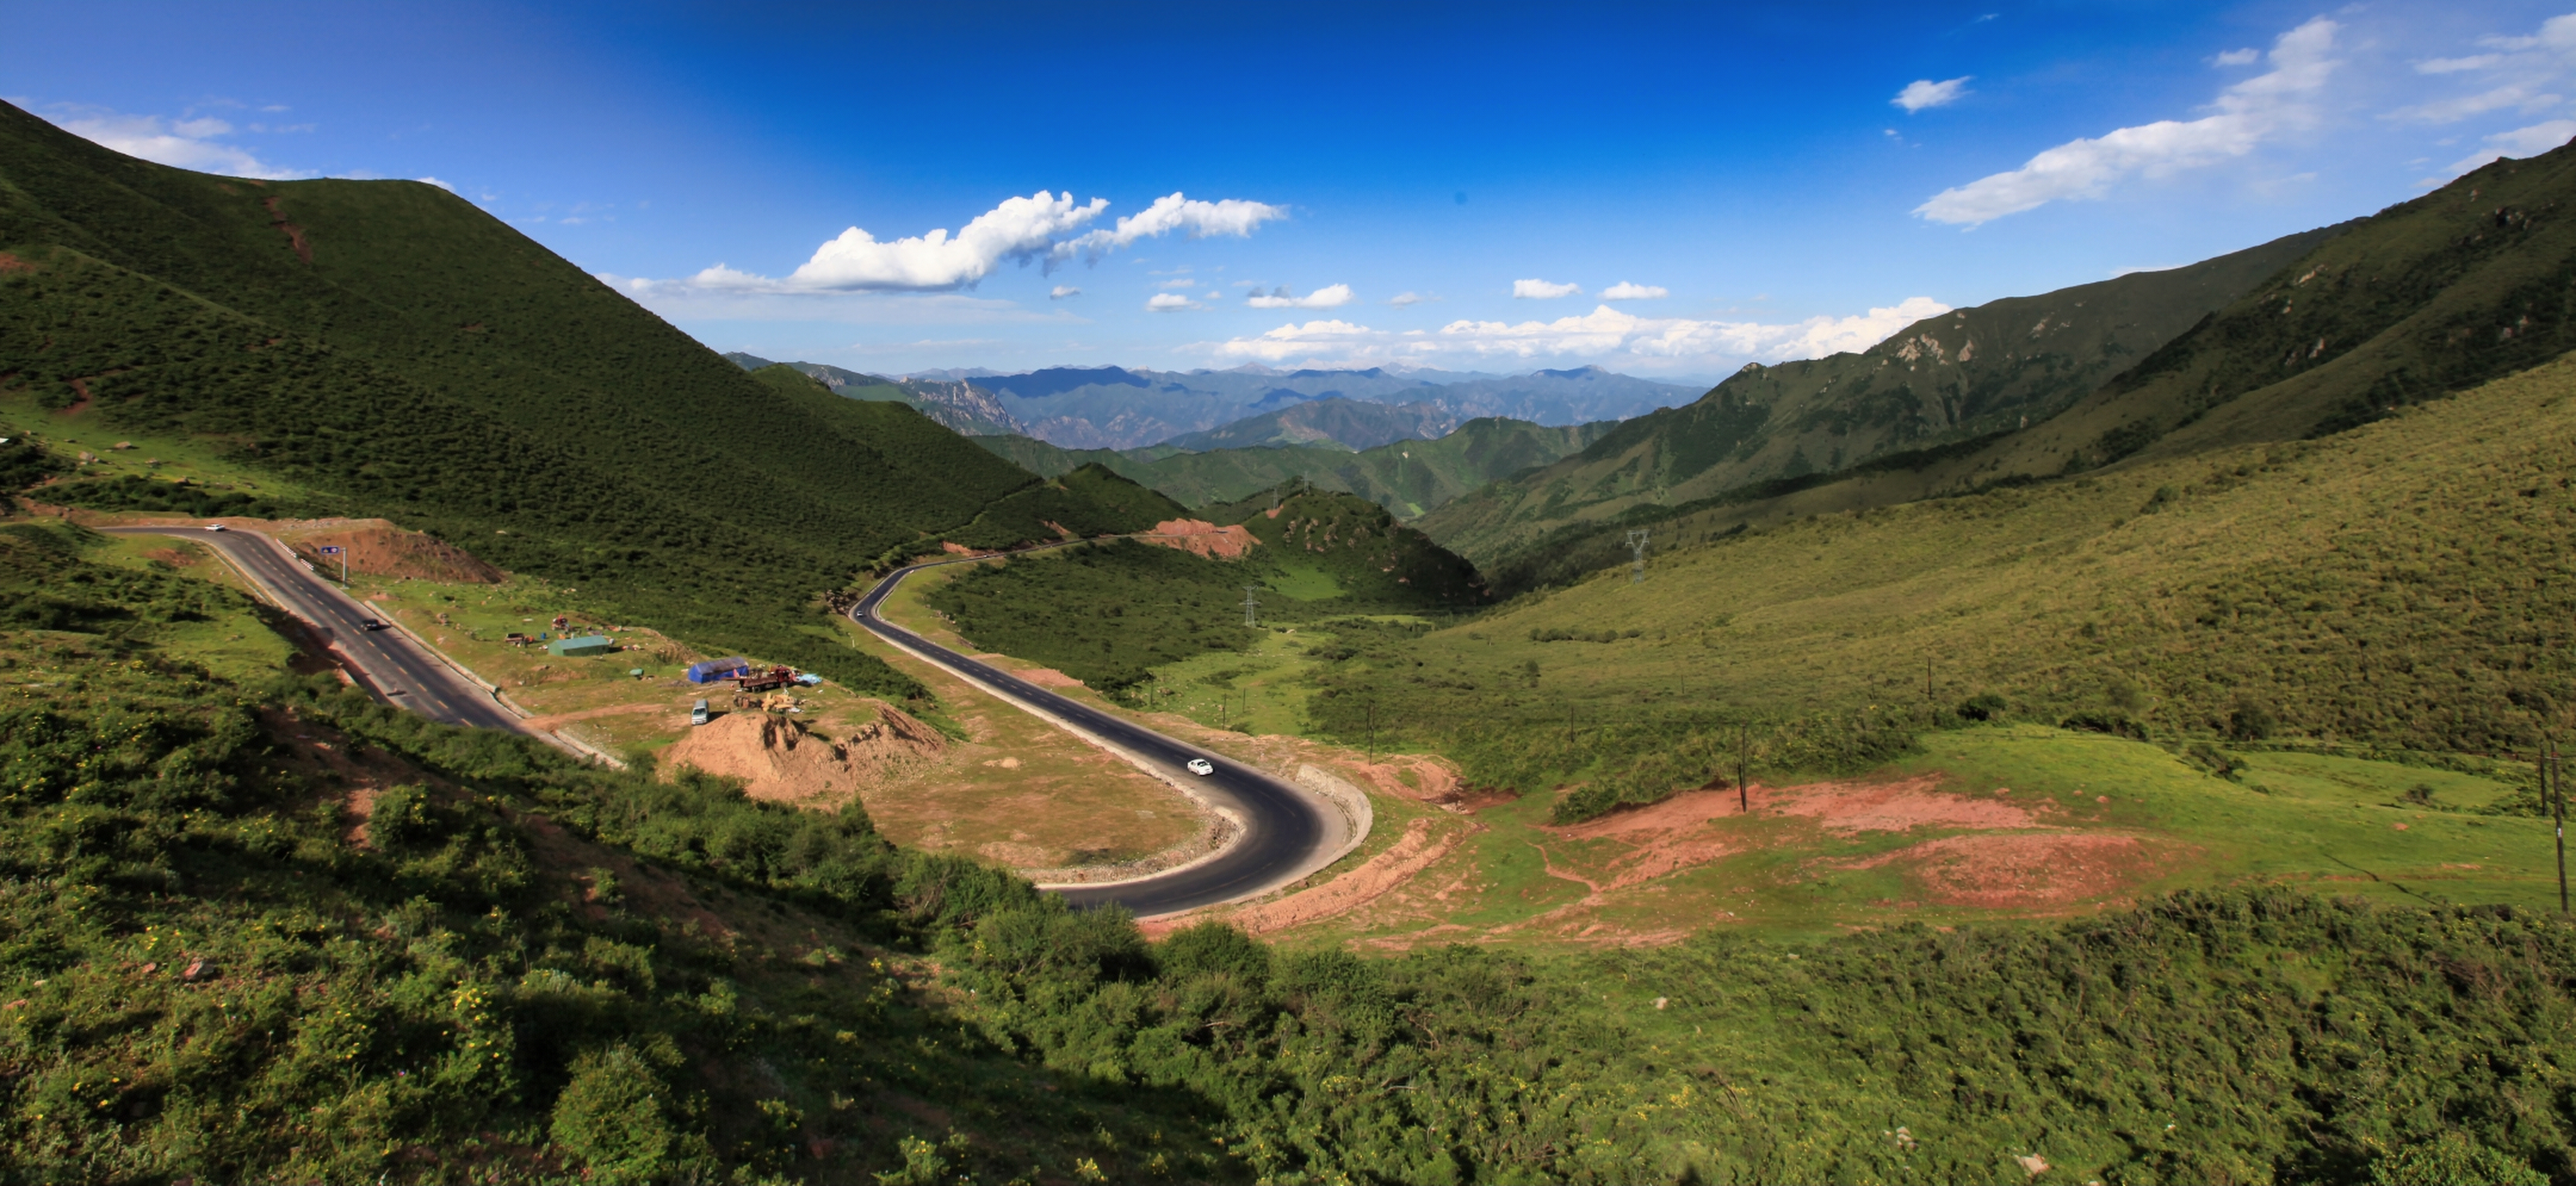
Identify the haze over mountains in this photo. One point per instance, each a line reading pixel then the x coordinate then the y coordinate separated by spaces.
pixel 1119 408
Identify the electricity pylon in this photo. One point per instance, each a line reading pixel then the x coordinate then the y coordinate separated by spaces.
pixel 1249 605
pixel 1637 544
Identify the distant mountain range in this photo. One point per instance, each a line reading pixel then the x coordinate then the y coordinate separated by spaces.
pixel 1406 476
pixel 1118 408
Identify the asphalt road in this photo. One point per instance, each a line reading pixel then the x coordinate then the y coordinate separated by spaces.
pixel 1285 828
pixel 393 666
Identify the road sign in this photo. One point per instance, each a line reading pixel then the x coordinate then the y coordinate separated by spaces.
pixel 334 550
pixel 330 551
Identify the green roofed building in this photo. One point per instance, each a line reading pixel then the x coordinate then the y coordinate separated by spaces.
pixel 588 644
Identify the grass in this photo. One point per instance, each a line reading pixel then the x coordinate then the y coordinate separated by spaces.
pixel 2392 586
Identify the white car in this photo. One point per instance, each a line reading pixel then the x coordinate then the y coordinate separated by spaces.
pixel 216 527
pixel 1202 767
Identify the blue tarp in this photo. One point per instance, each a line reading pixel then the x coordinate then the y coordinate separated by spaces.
pixel 716 669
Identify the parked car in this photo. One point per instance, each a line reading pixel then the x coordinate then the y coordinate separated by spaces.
pixel 698 713
pixel 1202 767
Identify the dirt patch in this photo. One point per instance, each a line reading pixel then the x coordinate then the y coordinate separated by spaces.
pixel 1374 879
pixel 1889 807
pixel 80 387
pixel 378 548
pixel 780 759
pixel 1204 538
pixel 2029 869
pixel 1048 677
pixel 175 557
pixel 953 548
pixel 561 719
pixel 11 263
pixel 294 234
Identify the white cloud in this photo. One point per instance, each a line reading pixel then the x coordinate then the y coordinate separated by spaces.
pixel 1541 290
pixel 1181 283
pixel 1402 299
pixel 1166 302
pixel 1042 226
pixel 1603 333
pixel 2524 95
pixel 2238 57
pixel 434 181
pixel 2248 113
pixel 2456 65
pixel 1329 297
pixel 1173 212
pixel 1923 92
pixel 186 144
pixel 1624 291
pixel 2520 142
pixel 1061 291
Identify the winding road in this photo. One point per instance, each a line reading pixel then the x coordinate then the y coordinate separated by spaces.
pixel 394 666
pixel 1286 832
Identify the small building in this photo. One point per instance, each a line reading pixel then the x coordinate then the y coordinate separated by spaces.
pixel 588 644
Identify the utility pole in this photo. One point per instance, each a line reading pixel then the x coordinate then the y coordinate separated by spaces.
pixel 2555 775
pixel 1250 605
pixel 1637 544
pixel 1372 731
pixel 1743 746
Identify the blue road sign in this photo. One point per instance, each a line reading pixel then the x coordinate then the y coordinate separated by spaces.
pixel 330 551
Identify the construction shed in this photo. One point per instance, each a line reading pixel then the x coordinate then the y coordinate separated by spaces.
pixel 588 644
pixel 716 669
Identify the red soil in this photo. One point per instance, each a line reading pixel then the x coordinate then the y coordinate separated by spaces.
pixel 2021 870
pixel 778 759
pixel 378 548
pixel 11 263
pixel 1204 538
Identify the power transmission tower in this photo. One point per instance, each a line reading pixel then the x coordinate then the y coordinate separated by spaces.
pixel 1249 605
pixel 1637 544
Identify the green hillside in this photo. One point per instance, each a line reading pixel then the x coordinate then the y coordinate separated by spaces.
pixel 1109 614
pixel 1958 377
pixel 385 348
pixel 2391 587
pixel 259 928
pixel 1406 477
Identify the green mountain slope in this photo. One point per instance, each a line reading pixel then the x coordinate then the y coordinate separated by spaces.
pixel 1407 477
pixel 394 351
pixel 2397 586
pixel 1337 421
pixel 2425 298
pixel 1962 375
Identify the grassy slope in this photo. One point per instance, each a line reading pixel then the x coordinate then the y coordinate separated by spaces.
pixel 1110 614
pixel 1407 477
pixel 2428 297
pixel 2394 586
pixel 526 969
pixel 428 364
pixel 1955 377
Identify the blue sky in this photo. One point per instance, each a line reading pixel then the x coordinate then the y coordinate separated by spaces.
pixel 1665 190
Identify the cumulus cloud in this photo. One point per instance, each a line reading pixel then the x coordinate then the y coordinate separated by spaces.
pixel 2238 57
pixel 1923 92
pixel 1603 333
pixel 186 144
pixel 1408 297
pixel 1044 226
pixel 434 181
pixel 1541 290
pixel 1329 297
pixel 2516 77
pixel 1061 291
pixel 2520 142
pixel 2248 113
pixel 1168 302
pixel 1624 291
